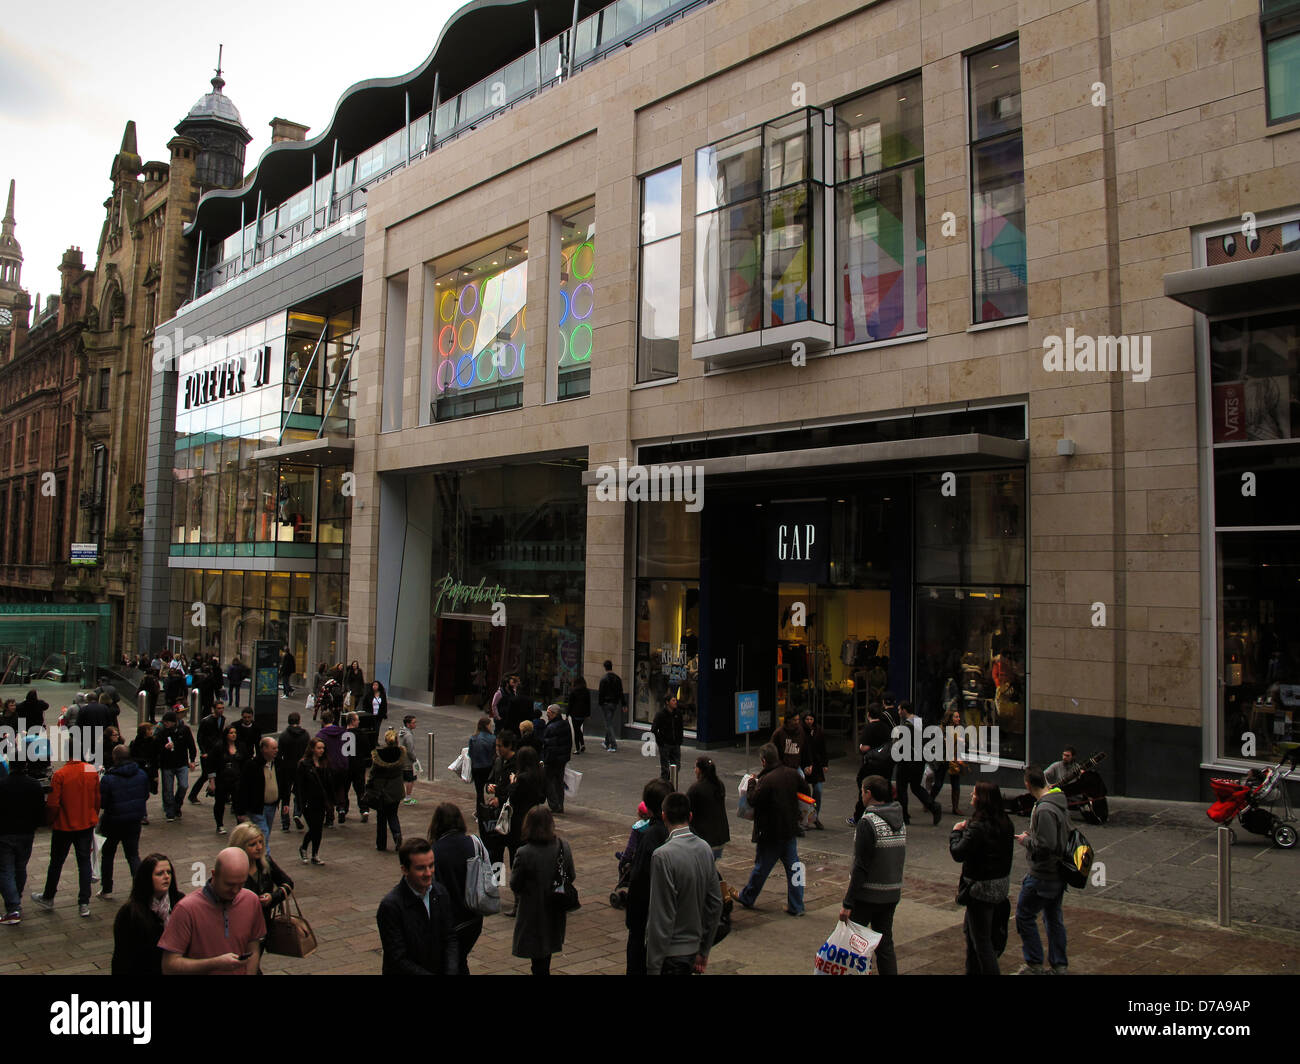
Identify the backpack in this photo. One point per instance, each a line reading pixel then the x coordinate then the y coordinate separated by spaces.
pixel 1077 861
pixel 482 895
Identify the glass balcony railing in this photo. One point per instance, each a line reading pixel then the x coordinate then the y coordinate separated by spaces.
pixel 339 195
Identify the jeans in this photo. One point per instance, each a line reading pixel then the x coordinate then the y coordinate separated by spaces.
pixel 129 836
pixel 942 776
pixel 234 690
pixel 201 781
pixel 613 724
pixel 879 918
pixel 15 852
pixel 766 854
pixel 580 742
pixel 288 689
pixel 315 817
pixel 466 936
pixel 174 782
pixel 223 798
pixel 386 820
pixel 264 820
pixel 981 957
pixel 817 796
pixel 62 842
pixel 1037 895
pixel 668 755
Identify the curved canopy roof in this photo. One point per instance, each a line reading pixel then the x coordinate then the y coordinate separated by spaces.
pixel 480 38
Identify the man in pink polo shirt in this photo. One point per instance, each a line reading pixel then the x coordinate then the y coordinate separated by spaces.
pixel 217 930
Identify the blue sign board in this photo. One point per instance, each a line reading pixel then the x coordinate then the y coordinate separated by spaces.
pixel 746 712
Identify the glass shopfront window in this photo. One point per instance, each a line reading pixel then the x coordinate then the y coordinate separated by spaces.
pixel 660 275
pixel 478 341
pixel 1255 417
pixel 520 532
pixel 575 305
pixel 667 611
pixel 970 603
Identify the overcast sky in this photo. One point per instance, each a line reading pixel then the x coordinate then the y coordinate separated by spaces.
pixel 68 87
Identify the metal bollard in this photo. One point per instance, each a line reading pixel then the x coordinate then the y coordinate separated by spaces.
pixel 672 770
pixel 142 707
pixel 428 765
pixel 1225 877
pixel 194 708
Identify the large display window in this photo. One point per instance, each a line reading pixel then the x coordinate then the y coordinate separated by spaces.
pixel 575 305
pixel 478 334
pixel 667 612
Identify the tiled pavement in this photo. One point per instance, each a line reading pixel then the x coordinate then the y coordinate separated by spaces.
pixel 340 900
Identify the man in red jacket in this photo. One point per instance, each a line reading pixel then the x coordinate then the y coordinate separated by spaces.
pixel 73 811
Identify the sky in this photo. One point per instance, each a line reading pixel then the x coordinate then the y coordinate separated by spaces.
pixel 68 88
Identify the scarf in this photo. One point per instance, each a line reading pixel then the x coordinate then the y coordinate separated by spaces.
pixel 162 908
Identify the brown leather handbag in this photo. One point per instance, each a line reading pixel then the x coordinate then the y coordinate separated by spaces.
pixel 290 935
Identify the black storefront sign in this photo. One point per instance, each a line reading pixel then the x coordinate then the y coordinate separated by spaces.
pixel 266 687
pixel 796 542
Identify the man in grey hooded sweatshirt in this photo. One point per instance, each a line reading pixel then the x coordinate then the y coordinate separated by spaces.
pixel 876 883
pixel 1043 888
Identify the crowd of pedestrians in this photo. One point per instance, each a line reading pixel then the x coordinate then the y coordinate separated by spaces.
pixel 677 904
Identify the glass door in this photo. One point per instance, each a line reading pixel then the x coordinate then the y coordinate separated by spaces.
pixel 299 635
pixel 329 641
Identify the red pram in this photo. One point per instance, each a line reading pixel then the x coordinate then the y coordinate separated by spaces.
pixel 1250 800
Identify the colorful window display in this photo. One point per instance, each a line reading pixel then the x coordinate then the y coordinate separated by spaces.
pixel 997 185
pixel 880 214
pixel 576 305
pixel 478 341
pixel 758 200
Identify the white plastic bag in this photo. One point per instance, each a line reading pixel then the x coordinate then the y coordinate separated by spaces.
pixel 461 766
pixel 927 777
pixel 848 950
pixel 744 810
pixel 572 781
pixel 310 703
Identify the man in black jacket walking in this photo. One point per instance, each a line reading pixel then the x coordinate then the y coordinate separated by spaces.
pixel 668 729
pixel 557 747
pixel 612 703
pixel 774 794
pixel 22 811
pixel 415 918
pixel 293 744
pixel 212 729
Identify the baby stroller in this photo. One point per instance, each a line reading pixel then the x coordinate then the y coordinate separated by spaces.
pixel 331 697
pixel 1250 800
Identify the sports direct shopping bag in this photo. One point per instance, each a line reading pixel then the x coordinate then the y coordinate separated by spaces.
pixel 847 950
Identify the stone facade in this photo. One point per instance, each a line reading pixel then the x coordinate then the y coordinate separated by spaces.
pixel 1112 191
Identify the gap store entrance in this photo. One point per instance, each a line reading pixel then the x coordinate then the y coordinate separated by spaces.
pixel 821 593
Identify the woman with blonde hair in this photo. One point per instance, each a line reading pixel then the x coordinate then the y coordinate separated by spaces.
pixel 385 790
pixel 266 879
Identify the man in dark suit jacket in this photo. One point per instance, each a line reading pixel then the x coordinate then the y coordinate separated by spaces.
pixel 415 918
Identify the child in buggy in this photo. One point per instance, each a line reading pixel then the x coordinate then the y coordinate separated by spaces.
pixel 618 896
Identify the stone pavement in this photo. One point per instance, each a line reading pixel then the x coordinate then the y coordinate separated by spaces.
pixel 340 900
pixel 1149 918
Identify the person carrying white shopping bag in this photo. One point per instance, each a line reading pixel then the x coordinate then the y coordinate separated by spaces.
pixel 876 883
pixel 848 950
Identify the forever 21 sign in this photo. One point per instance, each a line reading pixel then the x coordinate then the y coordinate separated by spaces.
pixel 226 379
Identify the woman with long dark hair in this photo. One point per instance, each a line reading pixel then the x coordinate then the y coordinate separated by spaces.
pixel 527 789
pixel 376 701
pixel 453 849
pixel 540 926
pixel 355 683
pixel 227 762
pixel 984 845
pixel 140 922
pixel 709 806
pixel 946 771
pixel 316 793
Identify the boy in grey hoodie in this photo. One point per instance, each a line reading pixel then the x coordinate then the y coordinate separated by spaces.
pixel 1043 889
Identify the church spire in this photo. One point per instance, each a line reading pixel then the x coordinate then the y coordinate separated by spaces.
pixel 219 83
pixel 9 211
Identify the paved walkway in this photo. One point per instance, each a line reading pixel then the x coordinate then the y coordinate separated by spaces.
pixel 1154 852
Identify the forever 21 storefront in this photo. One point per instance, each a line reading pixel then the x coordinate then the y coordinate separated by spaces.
pixel 830 564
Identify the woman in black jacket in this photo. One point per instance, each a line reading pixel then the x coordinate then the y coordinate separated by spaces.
pixel 709 807
pixel 984 845
pixel 540 926
pixel 226 761
pixel 453 849
pixel 579 711
pixel 814 763
pixel 375 701
pixel 355 682
pixel 316 793
pixel 527 789
pixel 140 922
pixel 385 789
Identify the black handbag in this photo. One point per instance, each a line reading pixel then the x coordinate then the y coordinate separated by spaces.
pixel 563 892
pixel 963 890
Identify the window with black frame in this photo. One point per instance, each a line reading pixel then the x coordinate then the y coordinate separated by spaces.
pixel 880 214
pixel 758 205
pixel 1001 287
pixel 1280 27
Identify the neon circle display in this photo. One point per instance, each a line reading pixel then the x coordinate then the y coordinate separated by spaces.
pixel 590 250
pixel 447 341
pixel 445 312
pixel 575 344
pixel 590 300
pixel 462 343
pixel 470 289
pixel 564 314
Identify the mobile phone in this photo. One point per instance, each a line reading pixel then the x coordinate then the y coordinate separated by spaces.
pixel 245 956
